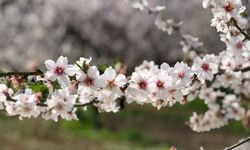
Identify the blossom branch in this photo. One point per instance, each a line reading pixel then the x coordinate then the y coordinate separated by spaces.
pixel 234 22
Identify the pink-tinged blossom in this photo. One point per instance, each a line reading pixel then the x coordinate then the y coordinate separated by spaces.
pixel 139 88
pixel 161 81
pixel 61 102
pixel 210 120
pixel 91 79
pixel 26 104
pixel 107 102
pixel 5 92
pixel 205 68
pixel 229 79
pixel 229 8
pixel 232 108
pixel 182 73
pixel 60 71
pixel 114 82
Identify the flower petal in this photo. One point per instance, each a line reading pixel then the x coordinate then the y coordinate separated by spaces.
pixel 120 80
pixel 51 76
pixel 71 70
pixel 62 61
pixel 50 64
pixel 109 74
pixel 93 72
pixel 64 80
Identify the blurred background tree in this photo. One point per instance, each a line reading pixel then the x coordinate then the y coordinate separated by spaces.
pixel 102 29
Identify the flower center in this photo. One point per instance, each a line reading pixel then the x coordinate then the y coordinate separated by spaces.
pixel 88 81
pixel 159 84
pixel 205 66
pixel 228 7
pixel 239 45
pixel 229 77
pixel 207 94
pixel 181 75
pixel 142 85
pixel 111 84
pixel 59 70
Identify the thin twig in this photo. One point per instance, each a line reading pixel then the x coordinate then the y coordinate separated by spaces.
pixel 238 144
pixel 5 74
pixel 234 22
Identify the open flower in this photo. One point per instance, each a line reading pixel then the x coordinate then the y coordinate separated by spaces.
pixel 113 81
pixel 26 104
pixel 139 89
pixel 60 71
pixel 182 73
pixel 61 102
pixel 91 79
pixel 205 68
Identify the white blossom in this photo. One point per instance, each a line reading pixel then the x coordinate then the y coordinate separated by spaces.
pixel 61 102
pixel 59 70
pixel 205 68
pixel 168 25
pixel 138 4
pixel 189 42
pixel 91 79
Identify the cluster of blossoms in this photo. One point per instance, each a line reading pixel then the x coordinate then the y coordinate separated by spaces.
pixel 227 92
pixel 69 87
pixel 72 87
pixel 221 81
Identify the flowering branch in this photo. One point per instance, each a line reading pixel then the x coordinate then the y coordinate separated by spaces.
pixel 221 81
pixel 238 144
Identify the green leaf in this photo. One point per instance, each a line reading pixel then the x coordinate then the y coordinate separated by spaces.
pixel 39 87
pixel 102 67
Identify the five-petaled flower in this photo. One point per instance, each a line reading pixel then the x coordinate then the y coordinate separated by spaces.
pixel 60 70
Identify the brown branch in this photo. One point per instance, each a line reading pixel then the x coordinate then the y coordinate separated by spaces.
pixel 244 69
pixel 234 23
pixel 34 73
pixel 238 144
